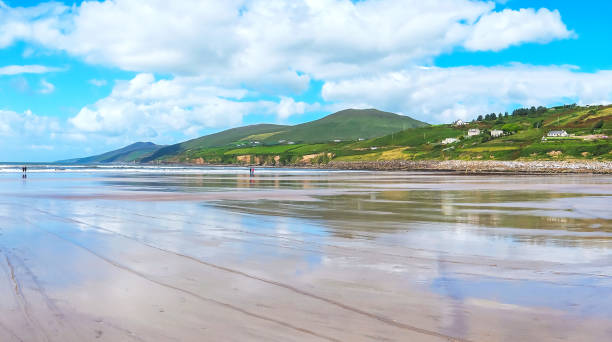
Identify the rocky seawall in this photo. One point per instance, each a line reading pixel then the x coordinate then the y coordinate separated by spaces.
pixel 488 166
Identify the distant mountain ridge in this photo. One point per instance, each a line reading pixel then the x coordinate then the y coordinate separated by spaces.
pixel 131 153
pixel 348 124
pixel 370 136
pixel 345 125
pixel 216 139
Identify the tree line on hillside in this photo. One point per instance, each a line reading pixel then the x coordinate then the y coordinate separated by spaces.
pixel 491 117
pixel 527 111
pixel 533 111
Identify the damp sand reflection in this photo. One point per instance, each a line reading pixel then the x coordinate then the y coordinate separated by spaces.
pixel 301 256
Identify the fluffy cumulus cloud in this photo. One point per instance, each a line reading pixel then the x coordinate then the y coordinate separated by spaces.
pixel 289 106
pixel 146 107
pixel 498 30
pixel 26 135
pixel 220 55
pixel 274 43
pixel 41 24
pixel 27 124
pixel 443 94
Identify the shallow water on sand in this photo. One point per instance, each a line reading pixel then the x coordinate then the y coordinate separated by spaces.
pixel 193 254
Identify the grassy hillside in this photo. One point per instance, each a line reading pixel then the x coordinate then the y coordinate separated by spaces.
pixel 224 138
pixel 522 139
pixel 349 124
pixel 346 125
pixel 128 154
pixel 343 137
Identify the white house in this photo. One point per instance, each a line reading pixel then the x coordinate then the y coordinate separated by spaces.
pixel 560 133
pixel 449 141
pixel 497 133
pixel 473 131
pixel 459 123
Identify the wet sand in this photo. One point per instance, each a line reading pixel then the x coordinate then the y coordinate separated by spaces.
pixel 305 256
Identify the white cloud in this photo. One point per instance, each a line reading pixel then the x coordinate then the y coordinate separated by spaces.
pixel 40 24
pixel 275 44
pixel 46 87
pixel 26 124
pixel 221 54
pixel 144 107
pixel 443 94
pixel 27 136
pixel 97 83
pixel 498 30
pixel 288 107
pixel 27 69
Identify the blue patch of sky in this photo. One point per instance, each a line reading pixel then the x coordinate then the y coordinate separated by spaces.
pixel 31 3
pixel 590 50
pixel 73 89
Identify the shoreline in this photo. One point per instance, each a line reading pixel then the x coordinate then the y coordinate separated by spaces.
pixel 479 167
pixel 461 166
pixel 458 166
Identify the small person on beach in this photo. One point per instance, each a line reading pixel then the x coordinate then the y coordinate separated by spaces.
pixel 252 171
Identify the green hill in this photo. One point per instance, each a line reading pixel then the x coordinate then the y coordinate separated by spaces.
pixel 128 154
pixel 224 138
pixel 372 135
pixel 346 125
pixel 524 138
pixel 349 124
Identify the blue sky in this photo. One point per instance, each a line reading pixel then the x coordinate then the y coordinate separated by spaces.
pixel 78 78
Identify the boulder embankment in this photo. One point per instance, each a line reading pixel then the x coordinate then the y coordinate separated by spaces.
pixel 485 166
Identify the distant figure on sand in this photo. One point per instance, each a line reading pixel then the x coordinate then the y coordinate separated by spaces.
pixel 252 171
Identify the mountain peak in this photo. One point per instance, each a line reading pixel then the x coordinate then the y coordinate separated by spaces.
pixel 130 153
pixel 141 144
pixel 344 125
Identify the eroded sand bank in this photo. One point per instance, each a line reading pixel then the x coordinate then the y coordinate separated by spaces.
pixel 285 257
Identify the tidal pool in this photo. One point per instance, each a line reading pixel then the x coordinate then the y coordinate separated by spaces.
pixel 197 254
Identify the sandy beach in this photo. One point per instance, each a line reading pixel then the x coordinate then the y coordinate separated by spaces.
pixel 299 255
